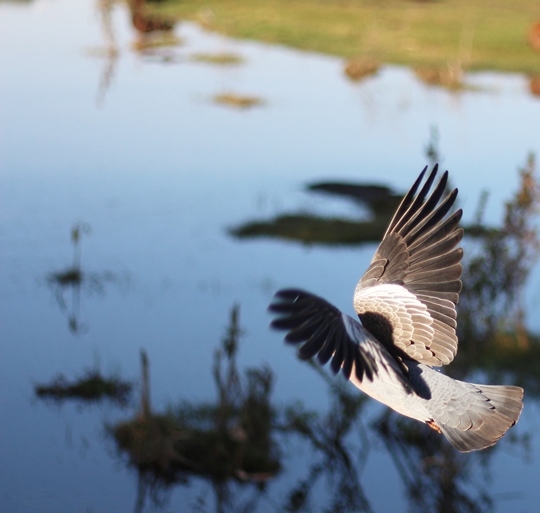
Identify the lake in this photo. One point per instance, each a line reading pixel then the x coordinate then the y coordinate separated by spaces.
pixel 116 160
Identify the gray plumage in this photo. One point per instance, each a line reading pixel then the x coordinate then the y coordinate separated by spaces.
pixel 406 303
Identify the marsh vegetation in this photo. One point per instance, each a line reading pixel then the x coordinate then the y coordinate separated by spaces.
pixel 442 39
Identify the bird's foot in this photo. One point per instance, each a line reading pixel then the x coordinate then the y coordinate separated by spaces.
pixel 433 425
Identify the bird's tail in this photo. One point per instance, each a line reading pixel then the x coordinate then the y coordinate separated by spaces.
pixel 488 411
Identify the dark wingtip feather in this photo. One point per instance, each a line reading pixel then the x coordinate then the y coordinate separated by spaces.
pixel 320 331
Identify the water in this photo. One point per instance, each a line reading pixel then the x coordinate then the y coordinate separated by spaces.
pixel 134 146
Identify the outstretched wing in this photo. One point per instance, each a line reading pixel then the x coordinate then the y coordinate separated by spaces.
pixel 323 330
pixel 407 298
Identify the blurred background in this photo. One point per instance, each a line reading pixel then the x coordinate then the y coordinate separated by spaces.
pixel 165 167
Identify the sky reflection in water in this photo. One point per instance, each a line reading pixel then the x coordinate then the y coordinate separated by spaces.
pixel 159 172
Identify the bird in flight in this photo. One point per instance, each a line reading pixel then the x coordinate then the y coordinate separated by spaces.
pixel 406 307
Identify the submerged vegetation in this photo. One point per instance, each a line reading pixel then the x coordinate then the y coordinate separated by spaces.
pixel 455 34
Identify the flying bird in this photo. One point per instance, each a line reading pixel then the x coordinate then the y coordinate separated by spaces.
pixel 406 325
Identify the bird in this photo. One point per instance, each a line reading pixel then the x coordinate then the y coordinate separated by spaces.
pixel 406 325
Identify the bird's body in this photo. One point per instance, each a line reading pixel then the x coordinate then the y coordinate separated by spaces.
pixel 458 406
pixel 406 307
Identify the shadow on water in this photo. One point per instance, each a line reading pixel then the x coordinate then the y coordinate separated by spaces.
pixel 73 279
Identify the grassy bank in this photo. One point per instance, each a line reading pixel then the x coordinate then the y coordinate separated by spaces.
pixel 478 35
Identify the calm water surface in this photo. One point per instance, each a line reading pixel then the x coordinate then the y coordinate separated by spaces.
pixel 132 144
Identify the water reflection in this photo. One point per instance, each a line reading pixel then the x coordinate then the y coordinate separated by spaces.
pixel 111 52
pixel 450 77
pixel 492 311
pixel 230 443
pixel 91 387
pixel 437 478
pixel 377 204
pixel 145 22
pixel 150 32
pixel 237 444
pixel 379 201
pixel 359 68
pixel 494 342
pixel 74 279
pixel 534 85
pixel 339 448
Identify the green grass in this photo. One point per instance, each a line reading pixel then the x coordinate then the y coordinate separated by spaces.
pixel 479 34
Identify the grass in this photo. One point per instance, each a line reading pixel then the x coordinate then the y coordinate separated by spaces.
pixel 479 35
